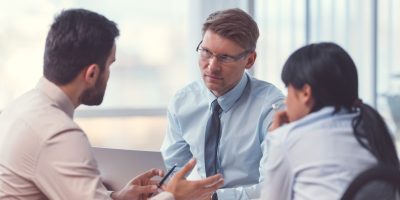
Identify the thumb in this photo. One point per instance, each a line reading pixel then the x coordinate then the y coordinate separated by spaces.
pixel 186 169
pixel 145 189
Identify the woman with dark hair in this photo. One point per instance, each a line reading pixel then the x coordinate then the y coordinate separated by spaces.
pixel 326 136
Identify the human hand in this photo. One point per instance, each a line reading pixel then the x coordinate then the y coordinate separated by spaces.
pixel 280 118
pixel 139 187
pixel 195 190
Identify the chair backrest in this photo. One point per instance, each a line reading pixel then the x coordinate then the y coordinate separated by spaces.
pixel 379 182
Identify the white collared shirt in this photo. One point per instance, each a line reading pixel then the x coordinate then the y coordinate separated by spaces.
pixel 246 114
pixel 315 157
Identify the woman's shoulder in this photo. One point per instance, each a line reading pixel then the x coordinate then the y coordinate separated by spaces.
pixel 312 125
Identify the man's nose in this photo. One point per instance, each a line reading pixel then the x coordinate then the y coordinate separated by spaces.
pixel 213 64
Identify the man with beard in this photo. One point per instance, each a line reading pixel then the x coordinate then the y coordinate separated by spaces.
pixel 44 154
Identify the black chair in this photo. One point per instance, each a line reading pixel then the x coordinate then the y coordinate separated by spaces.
pixel 377 183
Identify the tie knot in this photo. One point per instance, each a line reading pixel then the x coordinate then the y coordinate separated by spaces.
pixel 215 106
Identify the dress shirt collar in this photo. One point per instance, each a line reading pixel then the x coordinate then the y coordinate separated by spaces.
pixel 324 112
pixel 313 118
pixel 227 100
pixel 60 99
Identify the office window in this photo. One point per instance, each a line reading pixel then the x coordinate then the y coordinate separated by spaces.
pixel 156 57
pixel 388 63
pixel 368 30
pixel 152 64
pixel 154 60
pixel 282 30
pixel 289 24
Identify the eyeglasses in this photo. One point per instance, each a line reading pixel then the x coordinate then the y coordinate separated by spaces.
pixel 206 54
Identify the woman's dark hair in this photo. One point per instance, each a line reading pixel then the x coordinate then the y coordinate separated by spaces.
pixel 332 75
pixel 76 39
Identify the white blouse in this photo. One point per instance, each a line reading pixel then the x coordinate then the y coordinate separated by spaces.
pixel 315 157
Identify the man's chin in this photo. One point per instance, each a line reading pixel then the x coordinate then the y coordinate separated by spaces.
pixel 215 90
pixel 93 102
pixel 212 86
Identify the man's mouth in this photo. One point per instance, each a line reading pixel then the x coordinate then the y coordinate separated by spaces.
pixel 214 77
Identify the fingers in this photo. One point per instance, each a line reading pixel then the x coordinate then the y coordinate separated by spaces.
pixel 209 185
pixel 160 172
pixel 164 187
pixel 215 185
pixel 280 118
pixel 210 180
pixel 186 169
pixel 151 173
pixel 153 182
pixel 146 189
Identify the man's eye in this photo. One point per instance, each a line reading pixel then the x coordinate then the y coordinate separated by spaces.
pixel 207 51
pixel 225 58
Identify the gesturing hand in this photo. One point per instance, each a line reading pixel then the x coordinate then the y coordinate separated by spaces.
pixel 195 190
pixel 139 187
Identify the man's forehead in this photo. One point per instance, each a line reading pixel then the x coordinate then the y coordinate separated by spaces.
pixel 217 43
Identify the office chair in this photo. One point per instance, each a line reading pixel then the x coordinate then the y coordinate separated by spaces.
pixel 377 183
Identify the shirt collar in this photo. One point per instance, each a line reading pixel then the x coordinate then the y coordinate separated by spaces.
pixel 227 100
pixel 60 99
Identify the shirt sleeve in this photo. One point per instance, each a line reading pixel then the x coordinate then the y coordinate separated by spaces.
pixel 253 191
pixel 164 196
pixel 276 169
pixel 66 168
pixel 244 192
pixel 175 149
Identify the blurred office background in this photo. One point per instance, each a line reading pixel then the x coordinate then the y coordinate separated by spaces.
pixel 156 54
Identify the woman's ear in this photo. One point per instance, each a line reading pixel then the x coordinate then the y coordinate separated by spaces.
pixel 306 96
pixel 91 74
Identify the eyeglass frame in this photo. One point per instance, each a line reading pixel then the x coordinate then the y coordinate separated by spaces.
pixel 221 58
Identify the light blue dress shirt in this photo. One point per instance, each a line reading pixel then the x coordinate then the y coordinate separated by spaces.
pixel 246 114
pixel 315 157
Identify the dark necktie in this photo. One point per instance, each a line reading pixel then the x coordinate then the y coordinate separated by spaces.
pixel 212 136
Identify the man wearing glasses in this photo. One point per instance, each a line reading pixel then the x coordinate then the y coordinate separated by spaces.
pixel 222 120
